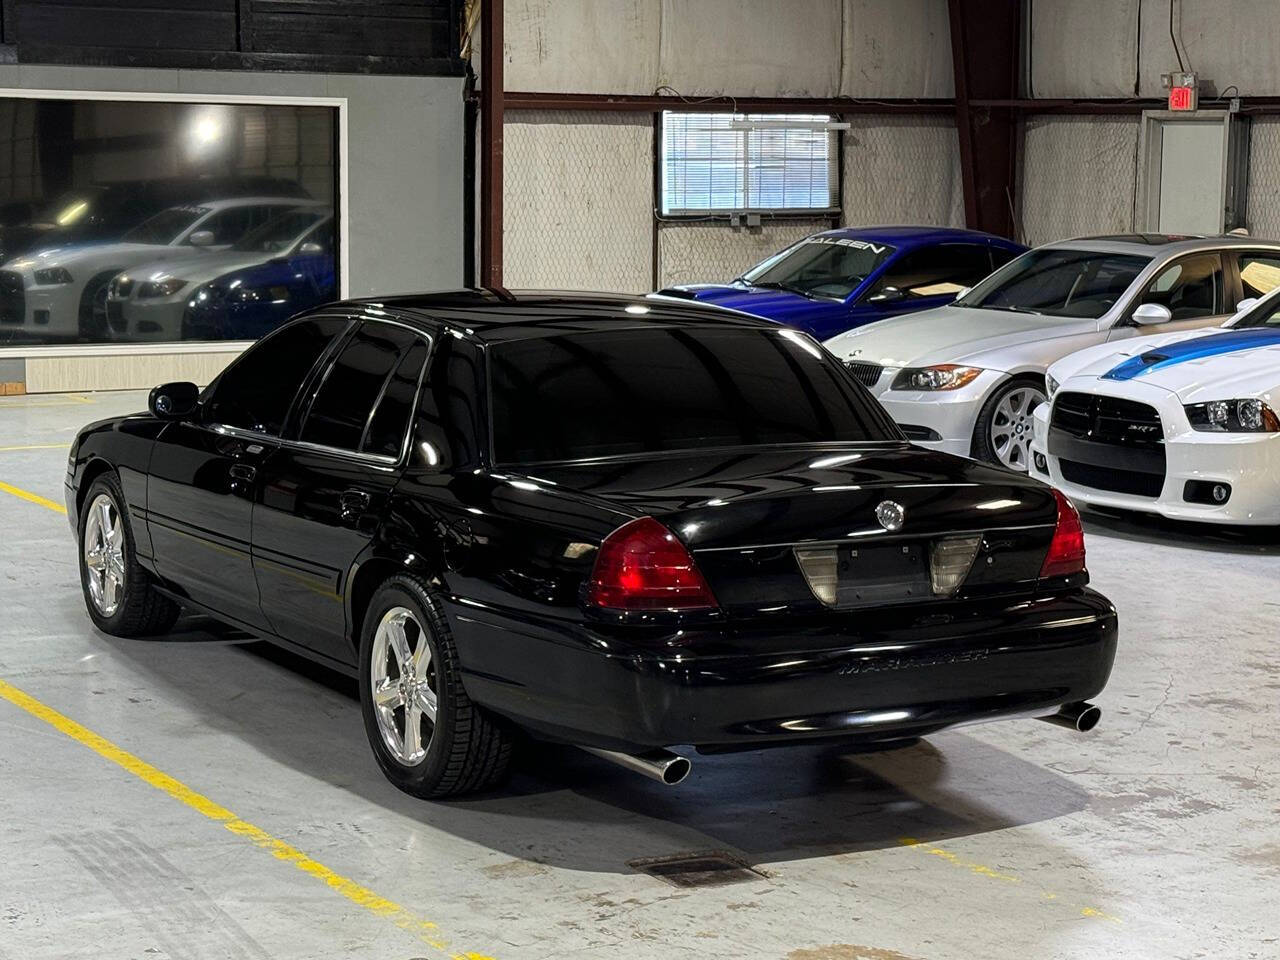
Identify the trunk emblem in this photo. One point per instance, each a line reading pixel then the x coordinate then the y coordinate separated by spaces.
pixel 891 515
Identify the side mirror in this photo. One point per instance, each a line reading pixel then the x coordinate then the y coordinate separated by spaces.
pixel 886 295
pixel 962 293
pixel 1248 303
pixel 173 401
pixel 311 247
pixel 201 238
pixel 1149 314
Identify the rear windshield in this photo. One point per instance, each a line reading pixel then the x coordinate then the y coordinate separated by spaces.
pixel 650 390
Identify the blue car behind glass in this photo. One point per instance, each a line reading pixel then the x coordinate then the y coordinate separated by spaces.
pixel 840 279
pixel 249 303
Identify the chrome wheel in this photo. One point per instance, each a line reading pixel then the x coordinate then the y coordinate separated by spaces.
pixel 1012 426
pixel 404 685
pixel 104 554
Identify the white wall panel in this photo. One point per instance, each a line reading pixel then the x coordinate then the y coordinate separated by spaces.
pixel 119 371
pixel 716 253
pixel 582 46
pixel 1079 176
pixel 897 49
pixel 1225 41
pixel 751 47
pixel 1084 48
pixel 902 170
pixel 578 200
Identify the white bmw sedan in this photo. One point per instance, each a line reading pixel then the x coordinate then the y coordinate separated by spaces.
pixel 1183 425
pixel 967 378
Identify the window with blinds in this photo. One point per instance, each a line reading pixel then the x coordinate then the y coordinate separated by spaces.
pixel 729 163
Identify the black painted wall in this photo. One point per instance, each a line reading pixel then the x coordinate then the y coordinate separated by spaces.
pixel 340 36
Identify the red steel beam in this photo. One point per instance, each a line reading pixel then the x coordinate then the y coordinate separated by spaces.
pixel 985 39
pixel 655 104
pixel 491 120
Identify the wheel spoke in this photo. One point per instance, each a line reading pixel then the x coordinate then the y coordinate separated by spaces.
pixel 110 589
pixel 412 731
pixel 104 519
pixel 95 559
pixel 387 695
pixel 399 646
pixel 426 702
pixel 421 658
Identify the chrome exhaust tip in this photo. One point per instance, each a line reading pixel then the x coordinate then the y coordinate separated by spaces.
pixel 1081 717
pixel 661 765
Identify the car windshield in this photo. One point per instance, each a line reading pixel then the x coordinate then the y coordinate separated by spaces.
pixel 166 226
pixel 1265 314
pixel 1080 284
pixel 279 233
pixel 643 391
pixel 821 266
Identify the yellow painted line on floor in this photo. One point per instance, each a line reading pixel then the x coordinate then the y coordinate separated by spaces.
pixel 36 446
pixel 941 853
pixel 32 498
pixel 402 917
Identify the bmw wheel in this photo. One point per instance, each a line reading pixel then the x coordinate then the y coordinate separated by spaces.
pixel 1006 423
pixel 429 738
pixel 119 594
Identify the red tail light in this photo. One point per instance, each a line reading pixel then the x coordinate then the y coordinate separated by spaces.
pixel 643 566
pixel 1066 552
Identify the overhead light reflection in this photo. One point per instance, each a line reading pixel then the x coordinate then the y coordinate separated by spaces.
pixel 803 342
pixel 839 459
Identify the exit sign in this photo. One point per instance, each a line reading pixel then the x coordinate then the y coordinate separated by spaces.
pixel 1182 98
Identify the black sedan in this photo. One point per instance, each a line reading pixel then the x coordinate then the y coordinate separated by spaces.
pixel 622 523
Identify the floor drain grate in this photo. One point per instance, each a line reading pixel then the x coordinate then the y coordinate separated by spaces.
pixel 698 869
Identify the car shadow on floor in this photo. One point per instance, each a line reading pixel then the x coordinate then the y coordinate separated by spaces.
pixel 570 810
pixel 1148 528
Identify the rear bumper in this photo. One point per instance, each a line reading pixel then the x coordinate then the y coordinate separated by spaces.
pixel 862 677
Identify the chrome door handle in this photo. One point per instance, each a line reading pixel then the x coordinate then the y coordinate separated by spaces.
pixel 240 471
pixel 353 503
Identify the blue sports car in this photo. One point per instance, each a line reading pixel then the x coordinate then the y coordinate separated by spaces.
pixel 250 302
pixel 840 279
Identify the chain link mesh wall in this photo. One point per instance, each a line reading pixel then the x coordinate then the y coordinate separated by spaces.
pixel 1263 214
pixel 578 200
pixel 902 170
pixel 1079 177
pixel 715 252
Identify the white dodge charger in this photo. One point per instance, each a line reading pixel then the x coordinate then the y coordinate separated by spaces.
pixel 967 378
pixel 1183 425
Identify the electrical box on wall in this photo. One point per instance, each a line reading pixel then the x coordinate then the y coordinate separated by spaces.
pixel 1194 175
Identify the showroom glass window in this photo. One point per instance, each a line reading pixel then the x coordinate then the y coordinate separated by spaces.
pixel 120 244
pixel 725 162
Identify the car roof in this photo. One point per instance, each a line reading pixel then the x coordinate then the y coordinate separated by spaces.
pixel 493 315
pixel 1160 244
pixel 914 235
pixel 276 199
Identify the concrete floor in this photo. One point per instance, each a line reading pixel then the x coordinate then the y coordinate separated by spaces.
pixel 1156 836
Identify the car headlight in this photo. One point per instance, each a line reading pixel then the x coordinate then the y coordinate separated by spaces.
pixel 1233 416
pixel 1051 386
pixel 52 276
pixel 160 288
pixel 943 376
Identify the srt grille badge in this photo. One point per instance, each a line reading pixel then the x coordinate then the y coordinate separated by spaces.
pixel 891 515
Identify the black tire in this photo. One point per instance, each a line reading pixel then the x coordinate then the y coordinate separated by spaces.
pixel 469 749
pixel 141 610
pixel 93 327
pixel 982 446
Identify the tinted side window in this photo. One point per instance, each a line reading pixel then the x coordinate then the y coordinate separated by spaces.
pixel 1259 273
pixel 451 422
pixel 1190 287
pixel 390 420
pixel 255 393
pixel 1000 256
pixel 343 405
pixel 937 271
